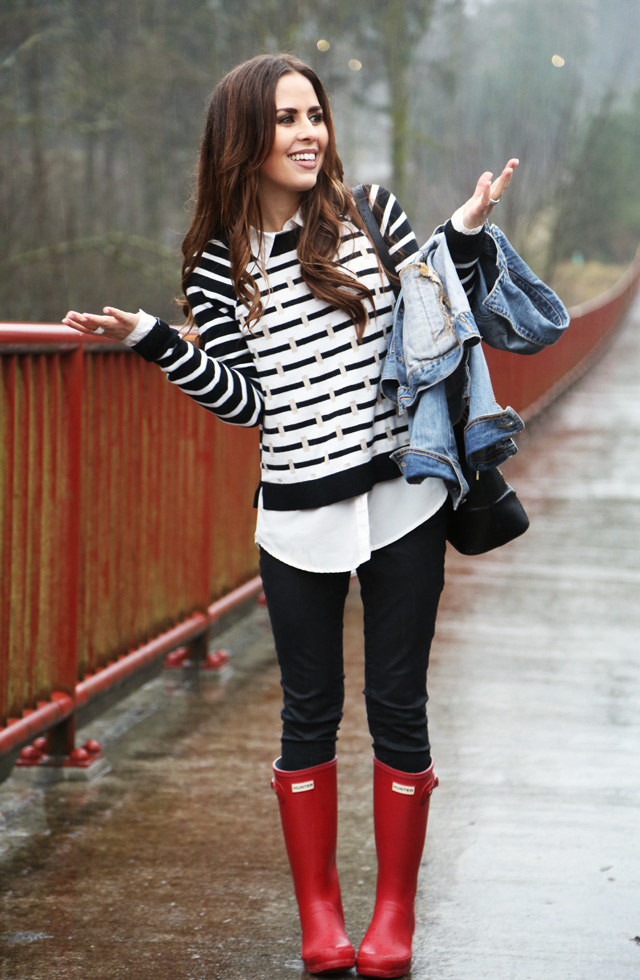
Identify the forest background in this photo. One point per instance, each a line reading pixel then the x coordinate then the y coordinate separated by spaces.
pixel 102 107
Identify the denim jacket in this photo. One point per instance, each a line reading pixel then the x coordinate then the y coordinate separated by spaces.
pixel 435 366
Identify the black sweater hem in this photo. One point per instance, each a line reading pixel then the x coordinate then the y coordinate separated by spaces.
pixel 308 494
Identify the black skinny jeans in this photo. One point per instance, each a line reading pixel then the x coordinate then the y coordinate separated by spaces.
pixel 400 587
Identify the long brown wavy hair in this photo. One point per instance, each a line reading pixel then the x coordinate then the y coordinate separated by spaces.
pixel 237 139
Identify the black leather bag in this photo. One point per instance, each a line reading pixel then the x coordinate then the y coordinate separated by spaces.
pixel 491 514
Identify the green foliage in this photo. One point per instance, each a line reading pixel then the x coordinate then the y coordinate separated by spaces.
pixel 102 102
pixel 600 205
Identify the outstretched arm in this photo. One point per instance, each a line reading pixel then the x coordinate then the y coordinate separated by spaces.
pixel 464 231
pixel 226 385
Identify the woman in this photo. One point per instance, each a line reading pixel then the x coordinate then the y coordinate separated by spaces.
pixel 293 312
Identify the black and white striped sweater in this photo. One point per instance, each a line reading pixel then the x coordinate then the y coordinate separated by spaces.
pixel 326 431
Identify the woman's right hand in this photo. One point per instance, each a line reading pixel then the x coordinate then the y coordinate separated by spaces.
pixel 115 324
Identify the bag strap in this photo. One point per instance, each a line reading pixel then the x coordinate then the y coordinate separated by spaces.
pixel 362 203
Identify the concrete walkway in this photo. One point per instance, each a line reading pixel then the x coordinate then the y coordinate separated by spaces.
pixel 172 867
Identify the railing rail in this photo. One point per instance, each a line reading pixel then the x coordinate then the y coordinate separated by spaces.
pixel 529 384
pixel 125 519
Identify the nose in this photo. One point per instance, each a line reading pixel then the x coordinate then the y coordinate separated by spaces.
pixel 306 130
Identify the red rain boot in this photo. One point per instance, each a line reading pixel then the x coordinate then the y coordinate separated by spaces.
pixel 400 810
pixel 309 812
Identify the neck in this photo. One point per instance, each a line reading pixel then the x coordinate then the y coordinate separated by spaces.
pixel 277 210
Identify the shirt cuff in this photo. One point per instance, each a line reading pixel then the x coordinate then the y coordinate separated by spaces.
pixel 157 341
pixel 146 322
pixel 458 223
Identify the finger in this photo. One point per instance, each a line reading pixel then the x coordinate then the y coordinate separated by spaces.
pixel 499 186
pixel 77 321
pixel 124 320
pixel 68 322
pixel 122 316
pixel 101 321
pixel 95 322
pixel 73 316
pixel 483 185
pixel 89 323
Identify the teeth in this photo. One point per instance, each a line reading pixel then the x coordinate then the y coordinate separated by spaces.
pixel 303 156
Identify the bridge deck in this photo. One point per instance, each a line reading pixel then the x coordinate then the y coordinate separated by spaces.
pixel 173 865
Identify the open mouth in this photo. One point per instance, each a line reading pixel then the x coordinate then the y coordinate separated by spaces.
pixel 309 156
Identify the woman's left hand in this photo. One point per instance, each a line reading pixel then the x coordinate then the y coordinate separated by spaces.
pixel 486 195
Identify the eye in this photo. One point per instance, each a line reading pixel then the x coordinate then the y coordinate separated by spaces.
pixel 285 119
pixel 317 118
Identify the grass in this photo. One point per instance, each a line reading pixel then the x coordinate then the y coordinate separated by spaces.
pixel 576 284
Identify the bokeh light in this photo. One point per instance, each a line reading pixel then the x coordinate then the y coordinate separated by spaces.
pixel 323 45
pixel 557 61
pixel 355 65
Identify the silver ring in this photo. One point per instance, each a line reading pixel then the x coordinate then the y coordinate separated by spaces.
pixel 491 201
pixel 99 330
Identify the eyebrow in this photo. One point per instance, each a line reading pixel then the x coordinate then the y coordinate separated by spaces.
pixel 313 108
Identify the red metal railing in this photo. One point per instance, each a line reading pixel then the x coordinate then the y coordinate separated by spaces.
pixel 125 512
pixel 125 518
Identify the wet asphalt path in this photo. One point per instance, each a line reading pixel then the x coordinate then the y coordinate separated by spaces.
pixel 172 867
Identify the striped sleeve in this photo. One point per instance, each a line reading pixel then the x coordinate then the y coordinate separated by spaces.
pixel 394 225
pixel 220 375
pixel 465 250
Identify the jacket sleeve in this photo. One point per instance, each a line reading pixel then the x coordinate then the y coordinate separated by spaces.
pixel 221 375
pixel 465 250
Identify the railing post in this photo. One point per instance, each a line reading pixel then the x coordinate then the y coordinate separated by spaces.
pixel 197 649
pixel 7 428
pixel 61 738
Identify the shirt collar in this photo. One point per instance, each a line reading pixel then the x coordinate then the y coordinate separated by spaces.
pixel 268 237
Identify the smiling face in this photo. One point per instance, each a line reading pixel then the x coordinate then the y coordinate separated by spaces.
pixel 299 145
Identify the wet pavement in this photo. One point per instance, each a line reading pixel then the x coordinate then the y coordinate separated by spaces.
pixel 172 865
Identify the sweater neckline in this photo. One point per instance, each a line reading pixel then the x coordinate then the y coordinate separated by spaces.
pixel 262 246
